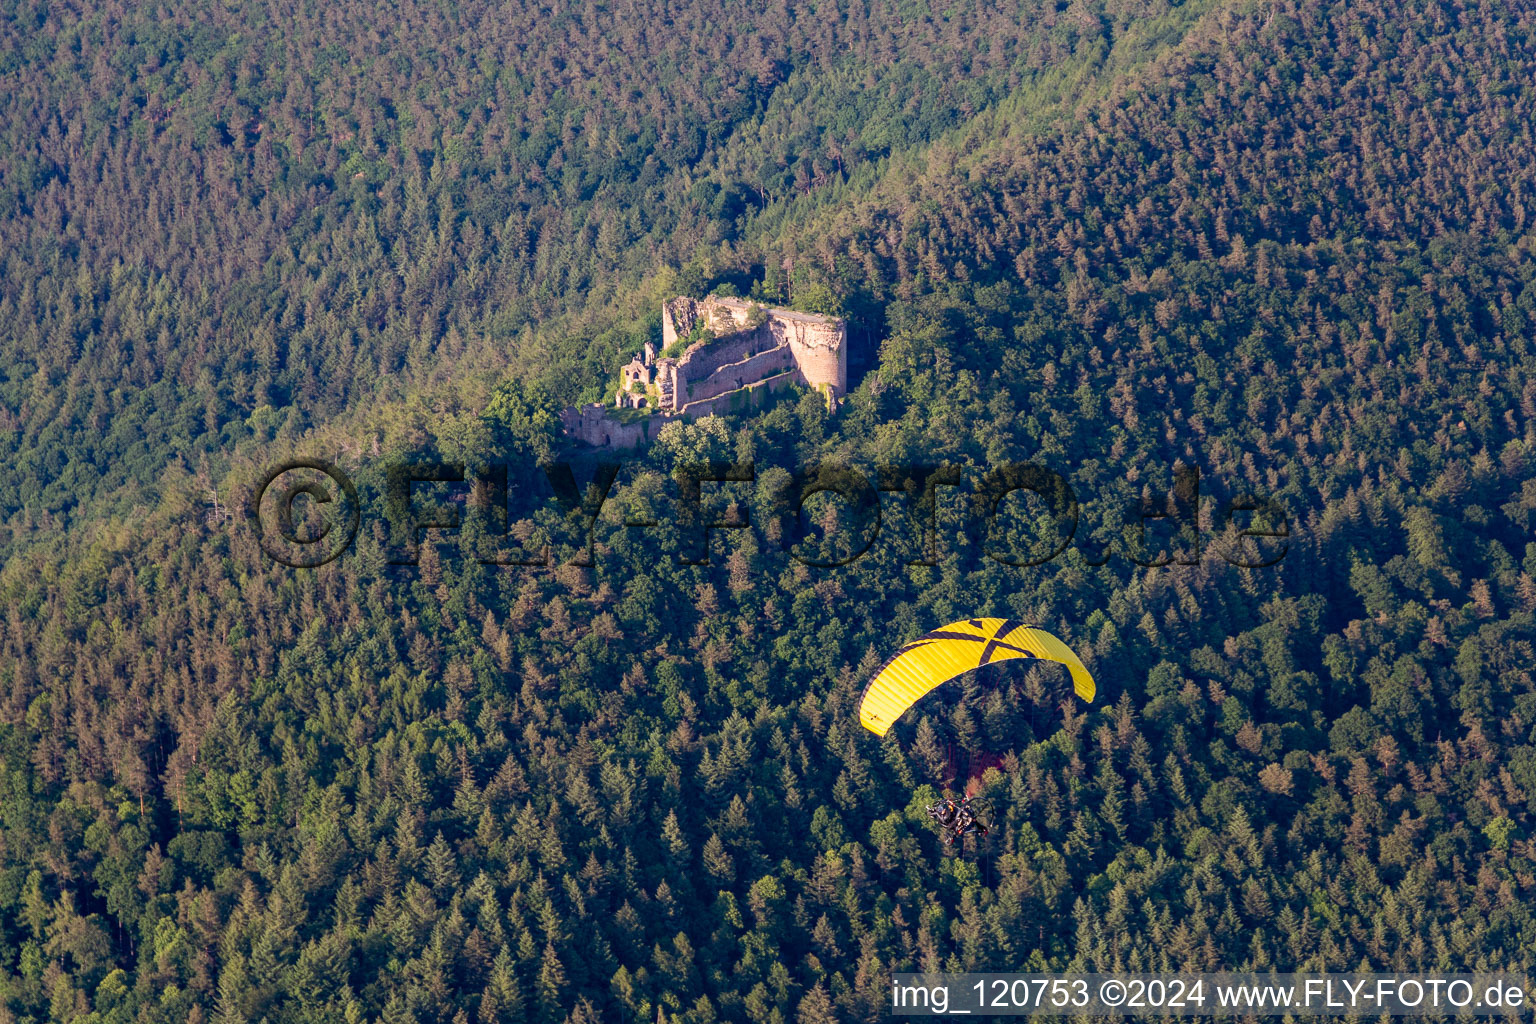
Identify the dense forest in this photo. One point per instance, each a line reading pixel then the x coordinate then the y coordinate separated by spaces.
pixel 1287 245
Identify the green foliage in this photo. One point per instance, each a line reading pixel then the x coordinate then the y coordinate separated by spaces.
pixel 521 420
pixel 1285 244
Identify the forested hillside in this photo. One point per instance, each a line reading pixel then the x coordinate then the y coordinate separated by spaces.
pixel 1288 244
pixel 248 219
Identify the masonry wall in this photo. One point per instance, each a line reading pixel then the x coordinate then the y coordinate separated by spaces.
pixel 740 399
pixel 732 372
pixel 592 425
pixel 679 315
pixel 818 343
pixel 671 313
pixel 820 350
pixel 732 375
pixel 704 358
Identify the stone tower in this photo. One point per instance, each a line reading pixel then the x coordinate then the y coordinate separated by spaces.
pixel 753 343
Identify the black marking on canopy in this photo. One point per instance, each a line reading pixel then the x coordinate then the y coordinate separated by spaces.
pixel 992 643
pixel 1008 626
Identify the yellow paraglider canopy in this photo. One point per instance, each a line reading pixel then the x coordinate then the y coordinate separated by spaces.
pixel 937 657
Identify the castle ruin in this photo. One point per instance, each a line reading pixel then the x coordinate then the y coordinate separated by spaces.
pixel 741 353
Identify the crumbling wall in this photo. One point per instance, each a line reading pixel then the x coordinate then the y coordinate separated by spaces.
pixel 705 357
pixel 725 316
pixel 592 425
pixel 820 350
pixel 730 376
pixel 817 344
pixel 677 319
pixel 741 399
pixel 735 370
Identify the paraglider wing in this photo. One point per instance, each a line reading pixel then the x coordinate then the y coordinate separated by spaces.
pixel 953 650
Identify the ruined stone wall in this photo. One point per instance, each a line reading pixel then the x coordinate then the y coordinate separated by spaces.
pixel 736 370
pixel 677 319
pixel 722 315
pixel 749 396
pixel 820 350
pixel 818 343
pixel 592 425
pixel 703 358
pixel 729 376
pixel 725 315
